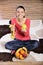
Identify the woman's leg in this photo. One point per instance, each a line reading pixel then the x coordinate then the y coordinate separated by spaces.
pixel 31 44
pixel 13 45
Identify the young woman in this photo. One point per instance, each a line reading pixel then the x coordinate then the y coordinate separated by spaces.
pixel 22 34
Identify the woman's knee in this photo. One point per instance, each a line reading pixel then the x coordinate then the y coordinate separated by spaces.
pixel 36 43
pixel 7 45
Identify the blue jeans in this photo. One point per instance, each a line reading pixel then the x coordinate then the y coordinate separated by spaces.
pixel 15 44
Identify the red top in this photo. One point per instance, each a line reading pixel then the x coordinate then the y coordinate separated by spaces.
pixel 20 35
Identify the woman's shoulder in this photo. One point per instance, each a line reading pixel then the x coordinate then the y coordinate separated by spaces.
pixel 27 20
pixel 13 20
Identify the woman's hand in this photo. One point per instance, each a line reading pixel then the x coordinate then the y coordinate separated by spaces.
pixel 12 27
pixel 24 27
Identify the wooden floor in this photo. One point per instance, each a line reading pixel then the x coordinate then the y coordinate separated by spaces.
pixel 21 63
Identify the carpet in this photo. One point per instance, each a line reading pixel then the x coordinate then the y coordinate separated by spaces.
pixel 8 57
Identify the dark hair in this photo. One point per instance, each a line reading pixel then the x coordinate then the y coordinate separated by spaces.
pixel 10 22
pixel 20 7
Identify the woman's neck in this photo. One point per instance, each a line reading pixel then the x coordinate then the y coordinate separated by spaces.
pixel 21 21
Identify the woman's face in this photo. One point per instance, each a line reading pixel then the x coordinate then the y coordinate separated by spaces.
pixel 20 13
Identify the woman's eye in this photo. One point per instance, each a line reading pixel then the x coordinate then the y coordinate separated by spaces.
pixel 22 12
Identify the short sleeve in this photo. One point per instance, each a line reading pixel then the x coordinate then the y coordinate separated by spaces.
pixel 13 21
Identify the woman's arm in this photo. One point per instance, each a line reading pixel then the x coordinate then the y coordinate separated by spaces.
pixel 24 32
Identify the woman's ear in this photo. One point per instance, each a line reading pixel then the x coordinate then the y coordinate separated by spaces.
pixel 23 16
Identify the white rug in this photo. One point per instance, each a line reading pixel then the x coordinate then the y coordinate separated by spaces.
pixel 38 57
